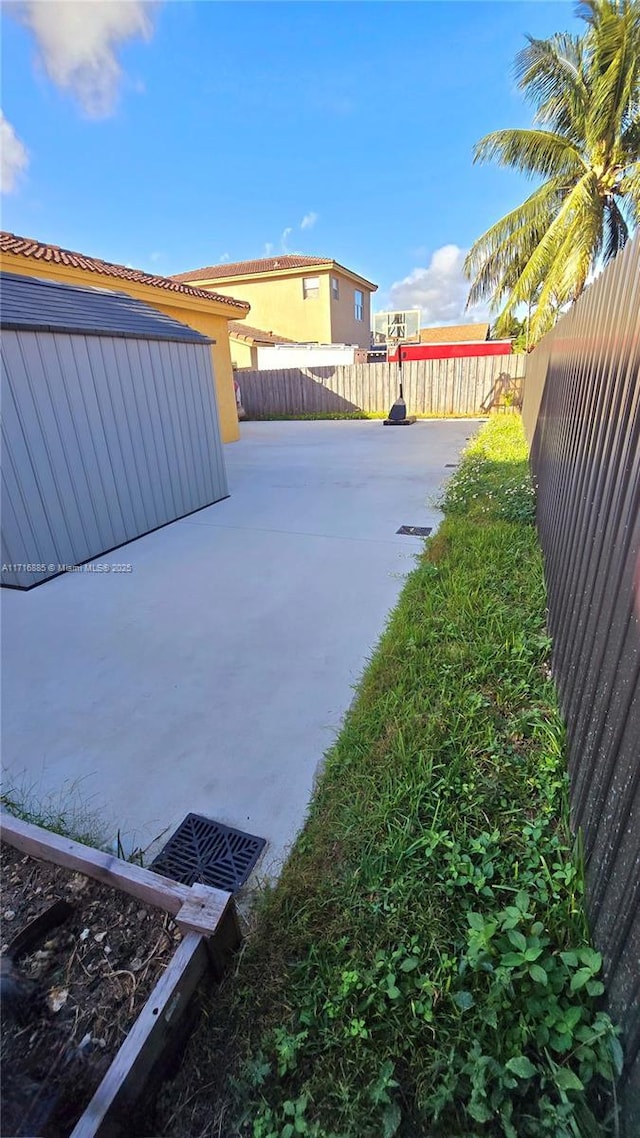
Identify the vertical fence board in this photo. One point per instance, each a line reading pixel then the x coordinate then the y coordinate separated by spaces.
pixel 582 414
pixel 431 387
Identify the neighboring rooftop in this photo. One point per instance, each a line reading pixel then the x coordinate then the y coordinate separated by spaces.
pixel 249 268
pixel 36 305
pixel 241 331
pixel 454 334
pixel 265 265
pixel 39 251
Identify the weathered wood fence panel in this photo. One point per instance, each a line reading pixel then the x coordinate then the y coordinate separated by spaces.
pixel 585 379
pixel 467 386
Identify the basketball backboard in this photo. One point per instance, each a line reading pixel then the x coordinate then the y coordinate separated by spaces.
pixel 397 327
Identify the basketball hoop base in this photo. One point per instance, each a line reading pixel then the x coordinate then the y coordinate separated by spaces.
pixel 408 422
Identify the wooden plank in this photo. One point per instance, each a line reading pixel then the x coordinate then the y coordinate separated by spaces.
pixel 151 888
pixel 202 909
pixel 106 1114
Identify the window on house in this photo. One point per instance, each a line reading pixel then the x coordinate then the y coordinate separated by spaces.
pixel 335 288
pixel 359 304
pixel 310 287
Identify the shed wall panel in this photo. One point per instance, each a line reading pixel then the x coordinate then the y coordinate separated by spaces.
pixel 104 439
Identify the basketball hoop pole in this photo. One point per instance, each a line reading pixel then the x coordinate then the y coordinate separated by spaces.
pixel 397 346
pixel 398 414
pixel 400 327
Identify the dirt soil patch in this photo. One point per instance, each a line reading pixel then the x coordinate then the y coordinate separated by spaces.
pixel 75 995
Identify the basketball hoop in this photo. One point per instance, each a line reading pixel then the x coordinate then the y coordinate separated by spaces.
pixel 398 327
pixel 395 329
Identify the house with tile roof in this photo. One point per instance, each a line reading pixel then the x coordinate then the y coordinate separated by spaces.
pixel 206 310
pixel 245 341
pixel 455 334
pixel 305 299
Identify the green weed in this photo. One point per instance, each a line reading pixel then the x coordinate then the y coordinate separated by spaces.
pixel 493 483
pixel 67 812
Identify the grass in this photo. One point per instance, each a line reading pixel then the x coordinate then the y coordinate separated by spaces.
pixel 423 965
pixel 310 416
pixel 66 812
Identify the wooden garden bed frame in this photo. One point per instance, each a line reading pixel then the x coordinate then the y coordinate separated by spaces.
pixel 208 921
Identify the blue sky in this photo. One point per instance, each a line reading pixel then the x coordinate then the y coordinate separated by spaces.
pixel 175 135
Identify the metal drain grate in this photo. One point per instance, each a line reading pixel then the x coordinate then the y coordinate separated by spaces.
pixel 451 464
pixel 415 531
pixel 210 853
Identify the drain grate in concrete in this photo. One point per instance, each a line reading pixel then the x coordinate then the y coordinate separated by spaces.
pixel 415 531
pixel 210 853
pixel 451 464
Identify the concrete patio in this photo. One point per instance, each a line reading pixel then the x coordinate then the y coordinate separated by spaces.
pixel 214 674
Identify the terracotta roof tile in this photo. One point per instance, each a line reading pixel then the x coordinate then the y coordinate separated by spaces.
pixel 249 268
pixel 53 254
pixel 218 273
pixel 454 334
pixel 244 331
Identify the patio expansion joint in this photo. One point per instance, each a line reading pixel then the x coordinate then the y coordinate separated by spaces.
pixel 299 533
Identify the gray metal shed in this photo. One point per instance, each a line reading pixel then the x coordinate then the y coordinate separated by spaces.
pixel 109 424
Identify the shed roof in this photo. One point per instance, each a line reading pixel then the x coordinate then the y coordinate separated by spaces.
pixel 32 304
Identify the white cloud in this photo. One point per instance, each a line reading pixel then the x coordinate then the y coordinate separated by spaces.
pixel 282 247
pixel 440 290
pixel 78 44
pixel 14 155
pixel 223 258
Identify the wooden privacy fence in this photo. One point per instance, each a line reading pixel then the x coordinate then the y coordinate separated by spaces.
pixel 582 411
pixel 466 386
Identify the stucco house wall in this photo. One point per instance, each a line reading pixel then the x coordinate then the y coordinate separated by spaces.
pixel 345 329
pixel 279 303
pixel 275 289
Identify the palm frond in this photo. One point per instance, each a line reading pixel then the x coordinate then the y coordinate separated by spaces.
pixel 496 260
pixel 612 92
pixel 616 231
pixel 570 229
pixel 574 260
pixel 629 193
pixel 498 268
pixel 546 197
pixel 549 73
pixel 531 151
pixel 630 138
pixel 614 67
pixel 573 218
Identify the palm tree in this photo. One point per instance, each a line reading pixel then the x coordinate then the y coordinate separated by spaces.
pixel 585 143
